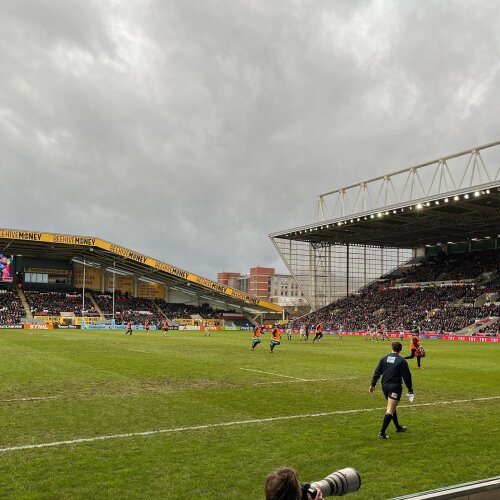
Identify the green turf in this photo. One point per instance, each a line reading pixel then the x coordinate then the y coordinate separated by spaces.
pixel 104 383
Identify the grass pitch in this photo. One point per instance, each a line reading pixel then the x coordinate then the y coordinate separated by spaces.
pixel 219 415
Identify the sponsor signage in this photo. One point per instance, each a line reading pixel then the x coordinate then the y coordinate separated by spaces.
pixel 118 327
pixel 125 284
pixel 465 338
pixel 92 277
pixel 11 326
pixel 43 270
pixel 66 239
pixel 150 290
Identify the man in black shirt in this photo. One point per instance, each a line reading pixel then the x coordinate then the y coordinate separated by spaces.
pixel 394 369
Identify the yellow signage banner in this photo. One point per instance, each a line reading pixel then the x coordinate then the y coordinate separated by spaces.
pixel 123 284
pixel 92 277
pixel 123 252
pixel 150 290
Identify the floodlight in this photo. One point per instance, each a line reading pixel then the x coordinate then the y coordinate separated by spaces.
pixel 446 200
pixel 456 198
pixel 476 194
pixel 419 206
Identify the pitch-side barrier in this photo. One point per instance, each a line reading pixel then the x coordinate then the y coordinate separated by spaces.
pixel 485 489
pixel 432 335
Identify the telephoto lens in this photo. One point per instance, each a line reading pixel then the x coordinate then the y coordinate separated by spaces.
pixel 339 483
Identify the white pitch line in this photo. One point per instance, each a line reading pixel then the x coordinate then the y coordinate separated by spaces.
pixel 275 374
pixel 230 424
pixel 27 399
pixel 290 381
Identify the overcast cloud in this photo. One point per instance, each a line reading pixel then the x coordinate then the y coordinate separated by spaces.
pixel 191 129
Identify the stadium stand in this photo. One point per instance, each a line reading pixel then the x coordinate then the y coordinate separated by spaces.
pixel 448 267
pixel 11 308
pixel 128 308
pixel 48 302
pixel 138 310
pixel 52 302
pixel 449 308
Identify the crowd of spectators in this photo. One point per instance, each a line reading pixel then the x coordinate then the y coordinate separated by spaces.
pixel 128 308
pixel 490 330
pixel 471 265
pixel 53 301
pixel 446 308
pixel 11 308
pixel 156 311
pixel 435 309
pixel 449 267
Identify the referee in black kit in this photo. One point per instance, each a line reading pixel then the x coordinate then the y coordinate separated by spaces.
pixel 393 369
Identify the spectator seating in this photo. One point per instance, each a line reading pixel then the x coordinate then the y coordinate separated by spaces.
pixel 11 308
pixel 53 301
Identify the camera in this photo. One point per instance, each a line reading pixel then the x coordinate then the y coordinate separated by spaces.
pixel 336 484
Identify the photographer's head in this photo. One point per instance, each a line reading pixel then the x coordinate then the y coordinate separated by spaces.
pixel 283 484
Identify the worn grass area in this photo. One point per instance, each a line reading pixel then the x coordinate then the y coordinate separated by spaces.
pixel 101 384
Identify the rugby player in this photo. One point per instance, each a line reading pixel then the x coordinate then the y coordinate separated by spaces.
pixel 275 339
pixel 129 328
pixel 257 330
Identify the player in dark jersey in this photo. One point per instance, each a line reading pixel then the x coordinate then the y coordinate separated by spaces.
pixel 394 369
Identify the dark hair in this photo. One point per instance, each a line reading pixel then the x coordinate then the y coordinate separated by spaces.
pixel 283 484
pixel 397 347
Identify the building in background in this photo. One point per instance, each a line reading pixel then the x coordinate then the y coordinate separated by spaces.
pixel 264 283
pixel 234 280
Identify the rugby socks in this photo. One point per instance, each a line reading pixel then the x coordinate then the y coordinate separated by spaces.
pixel 396 421
pixel 386 422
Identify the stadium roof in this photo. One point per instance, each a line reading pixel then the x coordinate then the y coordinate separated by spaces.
pixel 427 209
pixel 460 216
pixel 108 255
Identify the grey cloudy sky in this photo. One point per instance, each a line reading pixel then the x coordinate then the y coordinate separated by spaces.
pixel 191 129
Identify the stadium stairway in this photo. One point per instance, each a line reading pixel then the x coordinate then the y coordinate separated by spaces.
pixel 94 303
pixel 24 302
pixel 486 277
pixel 478 325
pixel 160 312
pixel 481 300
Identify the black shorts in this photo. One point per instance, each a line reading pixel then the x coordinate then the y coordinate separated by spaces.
pixel 392 392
